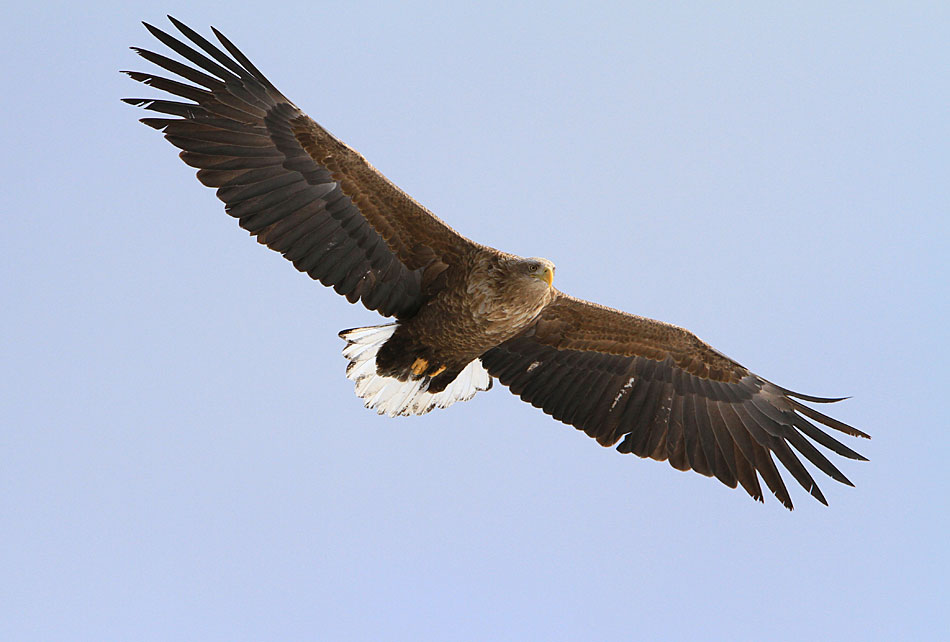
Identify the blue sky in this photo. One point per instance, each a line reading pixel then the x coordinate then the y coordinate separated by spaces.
pixel 182 456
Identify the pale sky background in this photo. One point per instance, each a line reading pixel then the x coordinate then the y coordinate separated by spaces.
pixel 182 458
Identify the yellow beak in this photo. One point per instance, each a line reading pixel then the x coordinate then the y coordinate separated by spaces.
pixel 547 276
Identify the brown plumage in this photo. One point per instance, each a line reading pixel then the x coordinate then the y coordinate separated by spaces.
pixel 465 311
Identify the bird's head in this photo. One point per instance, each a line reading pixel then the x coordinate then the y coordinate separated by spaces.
pixel 538 268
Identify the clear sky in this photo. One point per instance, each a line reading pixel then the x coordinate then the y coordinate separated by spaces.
pixel 182 458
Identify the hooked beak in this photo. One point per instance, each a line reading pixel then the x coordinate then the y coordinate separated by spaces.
pixel 547 276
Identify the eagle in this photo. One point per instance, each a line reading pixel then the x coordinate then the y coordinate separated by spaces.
pixel 464 313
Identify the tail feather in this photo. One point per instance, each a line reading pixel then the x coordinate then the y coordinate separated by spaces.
pixel 390 396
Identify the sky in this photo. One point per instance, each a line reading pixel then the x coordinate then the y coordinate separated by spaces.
pixel 182 457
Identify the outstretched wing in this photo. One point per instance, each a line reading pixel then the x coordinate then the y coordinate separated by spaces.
pixel 667 395
pixel 289 182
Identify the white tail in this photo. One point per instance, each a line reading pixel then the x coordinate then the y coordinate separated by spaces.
pixel 388 395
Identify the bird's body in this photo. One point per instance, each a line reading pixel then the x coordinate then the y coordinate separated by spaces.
pixel 466 313
pixel 490 300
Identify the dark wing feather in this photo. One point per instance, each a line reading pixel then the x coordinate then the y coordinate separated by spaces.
pixel 290 183
pixel 662 393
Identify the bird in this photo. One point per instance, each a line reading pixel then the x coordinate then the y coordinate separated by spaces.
pixel 464 314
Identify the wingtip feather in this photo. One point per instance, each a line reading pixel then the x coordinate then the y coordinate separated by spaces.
pixel 812 398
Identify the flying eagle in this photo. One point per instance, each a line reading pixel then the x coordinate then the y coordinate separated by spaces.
pixel 465 313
